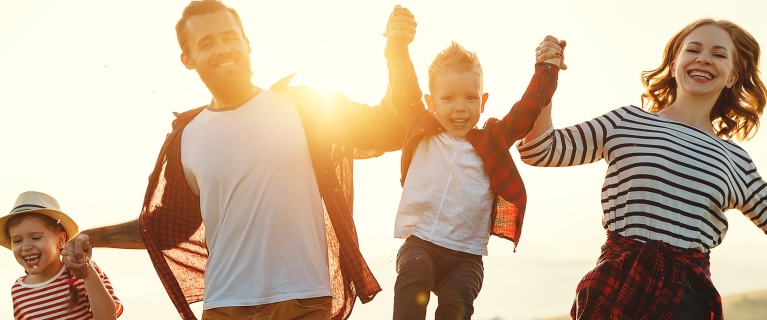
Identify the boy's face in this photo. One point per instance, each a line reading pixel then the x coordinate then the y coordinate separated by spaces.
pixel 37 248
pixel 457 101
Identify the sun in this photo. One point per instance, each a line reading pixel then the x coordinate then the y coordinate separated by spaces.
pixel 330 69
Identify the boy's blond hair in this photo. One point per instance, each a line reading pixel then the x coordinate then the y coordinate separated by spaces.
pixel 454 58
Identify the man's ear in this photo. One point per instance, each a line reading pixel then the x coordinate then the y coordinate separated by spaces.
pixel 484 100
pixel 187 61
pixel 429 103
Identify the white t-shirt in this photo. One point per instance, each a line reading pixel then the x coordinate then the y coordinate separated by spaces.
pixel 446 199
pixel 262 210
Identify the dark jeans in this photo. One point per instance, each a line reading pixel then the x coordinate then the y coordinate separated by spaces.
pixel 454 276
pixel 694 305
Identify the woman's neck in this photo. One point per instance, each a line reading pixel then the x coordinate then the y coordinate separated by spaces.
pixel 692 112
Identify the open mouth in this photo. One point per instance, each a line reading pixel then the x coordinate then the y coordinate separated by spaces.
pixel 701 75
pixel 459 122
pixel 225 64
pixel 32 260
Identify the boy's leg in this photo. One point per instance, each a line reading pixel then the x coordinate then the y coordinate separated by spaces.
pixel 459 287
pixel 415 280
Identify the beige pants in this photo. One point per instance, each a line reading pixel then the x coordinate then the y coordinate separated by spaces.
pixel 305 309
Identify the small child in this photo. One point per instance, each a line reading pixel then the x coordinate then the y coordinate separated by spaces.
pixel 36 231
pixel 460 184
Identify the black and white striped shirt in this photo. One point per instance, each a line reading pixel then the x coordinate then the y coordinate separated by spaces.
pixel 665 180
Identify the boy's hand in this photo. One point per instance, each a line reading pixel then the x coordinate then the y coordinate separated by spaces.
pixel 401 25
pixel 551 50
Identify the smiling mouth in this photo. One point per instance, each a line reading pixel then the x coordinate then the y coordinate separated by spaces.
pixel 225 64
pixel 700 75
pixel 32 260
pixel 459 122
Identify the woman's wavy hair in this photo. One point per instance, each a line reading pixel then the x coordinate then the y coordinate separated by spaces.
pixel 736 113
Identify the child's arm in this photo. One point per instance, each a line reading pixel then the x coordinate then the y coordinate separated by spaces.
pixel 522 117
pixel 101 302
pixel 403 82
pixel 550 51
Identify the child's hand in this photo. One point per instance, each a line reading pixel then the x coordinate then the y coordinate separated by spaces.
pixel 551 50
pixel 401 25
pixel 76 255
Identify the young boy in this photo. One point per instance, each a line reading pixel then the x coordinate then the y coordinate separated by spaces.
pixel 460 184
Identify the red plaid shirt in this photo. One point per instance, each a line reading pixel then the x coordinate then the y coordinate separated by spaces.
pixel 492 142
pixel 337 132
pixel 641 280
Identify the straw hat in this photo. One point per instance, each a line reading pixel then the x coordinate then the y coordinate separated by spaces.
pixel 38 202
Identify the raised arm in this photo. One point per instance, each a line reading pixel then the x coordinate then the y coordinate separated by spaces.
pixel 404 91
pixel 550 50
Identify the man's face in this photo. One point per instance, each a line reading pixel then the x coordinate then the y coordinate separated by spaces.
pixel 219 51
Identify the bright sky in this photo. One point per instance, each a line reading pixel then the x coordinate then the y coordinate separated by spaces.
pixel 89 87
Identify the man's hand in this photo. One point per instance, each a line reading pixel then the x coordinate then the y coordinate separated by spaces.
pixel 551 50
pixel 76 255
pixel 401 25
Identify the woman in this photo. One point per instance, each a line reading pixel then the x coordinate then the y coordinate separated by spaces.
pixel 673 171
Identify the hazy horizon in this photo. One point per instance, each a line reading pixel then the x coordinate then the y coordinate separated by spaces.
pixel 90 88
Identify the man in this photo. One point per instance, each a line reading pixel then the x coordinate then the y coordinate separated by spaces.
pixel 250 209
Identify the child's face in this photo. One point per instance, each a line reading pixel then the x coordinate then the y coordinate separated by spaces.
pixel 37 248
pixel 457 101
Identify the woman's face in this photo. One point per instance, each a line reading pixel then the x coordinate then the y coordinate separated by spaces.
pixel 705 63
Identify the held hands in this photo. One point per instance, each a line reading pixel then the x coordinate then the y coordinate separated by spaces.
pixel 76 255
pixel 551 50
pixel 401 25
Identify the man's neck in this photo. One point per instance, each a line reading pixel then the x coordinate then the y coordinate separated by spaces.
pixel 219 103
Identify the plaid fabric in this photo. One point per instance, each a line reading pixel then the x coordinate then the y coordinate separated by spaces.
pixel 337 131
pixel 641 280
pixel 492 142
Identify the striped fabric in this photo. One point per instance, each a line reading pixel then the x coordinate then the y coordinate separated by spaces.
pixel 51 300
pixel 665 180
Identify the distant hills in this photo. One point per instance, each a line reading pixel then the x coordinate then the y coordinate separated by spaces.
pixel 530 285
pixel 744 306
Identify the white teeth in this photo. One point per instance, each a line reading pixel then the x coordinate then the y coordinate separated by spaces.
pixel 28 258
pixel 32 259
pixel 701 74
pixel 226 64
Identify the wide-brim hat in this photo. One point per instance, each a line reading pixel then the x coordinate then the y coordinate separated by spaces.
pixel 37 202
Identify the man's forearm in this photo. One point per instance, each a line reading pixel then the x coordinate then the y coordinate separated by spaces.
pixel 125 235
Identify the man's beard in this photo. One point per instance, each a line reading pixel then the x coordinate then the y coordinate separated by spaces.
pixel 231 85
